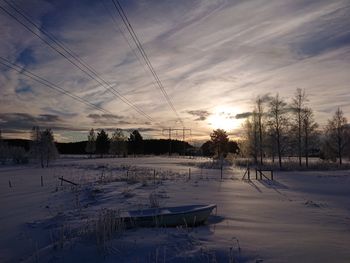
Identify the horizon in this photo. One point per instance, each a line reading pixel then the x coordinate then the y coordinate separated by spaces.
pixel 212 60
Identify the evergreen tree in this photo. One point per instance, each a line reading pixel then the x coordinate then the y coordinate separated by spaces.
pixel 233 147
pixel 136 142
pixel 102 143
pixel 220 140
pixel 207 149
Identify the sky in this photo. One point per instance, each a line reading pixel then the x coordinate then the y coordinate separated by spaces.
pixel 212 57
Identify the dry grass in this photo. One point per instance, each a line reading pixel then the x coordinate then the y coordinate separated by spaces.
pixel 154 200
pixel 291 164
pixel 107 226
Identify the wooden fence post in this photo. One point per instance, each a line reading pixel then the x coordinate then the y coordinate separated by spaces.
pixel 10 185
pixel 154 176
pixel 189 173
pixel 41 181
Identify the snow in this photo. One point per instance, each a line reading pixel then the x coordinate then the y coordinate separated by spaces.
pixel 299 217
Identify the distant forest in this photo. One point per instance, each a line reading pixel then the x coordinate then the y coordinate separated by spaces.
pixel 151 146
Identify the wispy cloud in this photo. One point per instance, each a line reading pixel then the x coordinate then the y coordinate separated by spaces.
pixel 206 53
pixel 200 115
pixel 243 115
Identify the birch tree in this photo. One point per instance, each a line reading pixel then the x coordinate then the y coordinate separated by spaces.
pixel 250 142
pixel 298 106
pixel 309 127
pixel 278 123
pixel 337 134
pixel 48 147
pixel 259 116
pixel 118 144
pixel 91 143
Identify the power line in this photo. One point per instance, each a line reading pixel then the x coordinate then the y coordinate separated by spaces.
pixel 170 130
pixel 90 71
pixel 139 46
pixel 123 35
pixel 112 15
pixel 144 55
pixel 49 84
pixel 52 86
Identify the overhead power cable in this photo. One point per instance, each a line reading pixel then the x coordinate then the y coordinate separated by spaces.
pixel 74 60
pixel 49 84
pixel 112 15
pixel 139 46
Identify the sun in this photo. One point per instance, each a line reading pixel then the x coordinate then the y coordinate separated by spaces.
pixel 224 118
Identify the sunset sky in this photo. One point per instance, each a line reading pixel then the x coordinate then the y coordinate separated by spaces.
pixel 213 58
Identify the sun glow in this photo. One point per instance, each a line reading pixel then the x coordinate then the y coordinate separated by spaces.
pixel 224 118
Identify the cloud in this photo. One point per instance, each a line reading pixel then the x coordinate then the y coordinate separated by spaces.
pixel 23 89
pixel 104 116
pixel 201 115
pixel 26 57
pixel 206 53
pixel 243 115
pixel 23 121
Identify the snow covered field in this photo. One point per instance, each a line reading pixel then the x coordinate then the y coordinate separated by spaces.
pixel 300 217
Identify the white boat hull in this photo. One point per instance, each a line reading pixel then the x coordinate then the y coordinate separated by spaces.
pixel 168 216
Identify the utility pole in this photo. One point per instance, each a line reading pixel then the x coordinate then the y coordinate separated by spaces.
pixel 170 130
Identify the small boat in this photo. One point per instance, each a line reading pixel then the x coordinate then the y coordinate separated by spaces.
pixel 190 215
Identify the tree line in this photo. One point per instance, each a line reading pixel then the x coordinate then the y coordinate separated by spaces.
pixel 120 145
pixel 276 129
pixel 42 148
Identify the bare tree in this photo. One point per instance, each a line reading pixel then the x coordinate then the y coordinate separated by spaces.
pixel 337 134
pixel 91 143
pixel 309 127
pixel 270 141
pixel 36 145
pixel 259 115
pixel 250 143
pixel 48 147
pixel 118 145
pixel 298 106
pixel 43 147
pixel 278 123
